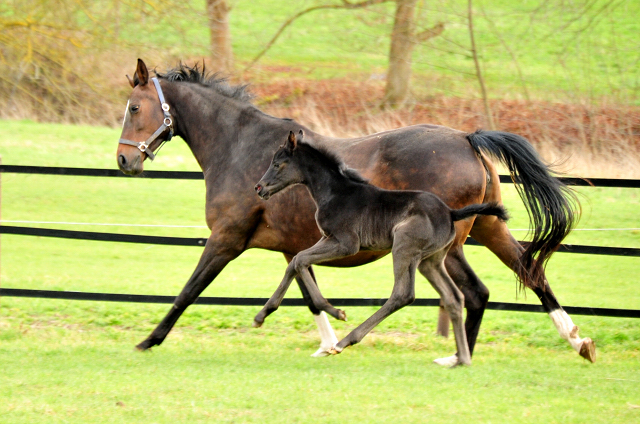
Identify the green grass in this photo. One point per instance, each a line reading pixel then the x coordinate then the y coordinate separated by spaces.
pixel 73 361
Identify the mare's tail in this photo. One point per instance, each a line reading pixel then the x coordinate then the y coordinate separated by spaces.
pixel 480 209
pixel 552 207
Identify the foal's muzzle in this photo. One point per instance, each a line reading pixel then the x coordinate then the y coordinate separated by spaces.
pixel 262 192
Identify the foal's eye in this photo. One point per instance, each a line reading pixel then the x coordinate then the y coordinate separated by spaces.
pixel 276 165
pixel 134 108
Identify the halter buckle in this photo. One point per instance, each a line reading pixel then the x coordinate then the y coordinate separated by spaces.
pixel 142 146
pixel 165 107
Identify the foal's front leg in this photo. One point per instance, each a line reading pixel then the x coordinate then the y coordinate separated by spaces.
pixel 276 298
pixel 324 250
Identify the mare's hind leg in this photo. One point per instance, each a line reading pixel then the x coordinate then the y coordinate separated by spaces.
pixel 495 235
pixel 454 301
pixel 476 297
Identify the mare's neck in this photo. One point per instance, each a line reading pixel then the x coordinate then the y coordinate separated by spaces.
pixel 210 123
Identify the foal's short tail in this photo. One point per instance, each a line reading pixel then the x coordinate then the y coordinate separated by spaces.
pixel 492 208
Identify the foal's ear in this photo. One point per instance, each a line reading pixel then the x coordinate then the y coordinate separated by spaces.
pixel 292 143
pixel 141 76
pixel 131 83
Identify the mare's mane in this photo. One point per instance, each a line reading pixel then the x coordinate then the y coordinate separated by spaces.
pixel 331 160
pixel 199 76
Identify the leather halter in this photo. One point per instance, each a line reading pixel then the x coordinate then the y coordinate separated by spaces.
pixel 167 123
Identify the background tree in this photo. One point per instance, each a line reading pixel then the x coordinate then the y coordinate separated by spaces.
pixel 221 52
pixel 403 41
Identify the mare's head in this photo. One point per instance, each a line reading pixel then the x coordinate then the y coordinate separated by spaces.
pixel 283 171
pixel 147 122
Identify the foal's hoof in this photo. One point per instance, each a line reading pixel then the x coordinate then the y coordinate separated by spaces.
pixel 588 350
pixel 256 324
pixel 342 315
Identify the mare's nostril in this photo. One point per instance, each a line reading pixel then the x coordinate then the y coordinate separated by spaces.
pixel 122 160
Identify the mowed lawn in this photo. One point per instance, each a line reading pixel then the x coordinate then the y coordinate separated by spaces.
pixel 73 361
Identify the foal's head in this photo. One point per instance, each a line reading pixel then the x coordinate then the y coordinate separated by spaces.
pixel 283 171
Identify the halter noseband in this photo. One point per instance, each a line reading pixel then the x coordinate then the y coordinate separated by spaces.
pixel 167 123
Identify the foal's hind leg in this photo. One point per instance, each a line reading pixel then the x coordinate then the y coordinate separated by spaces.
pixel 476 297
pixel 495 235
pixel 434 271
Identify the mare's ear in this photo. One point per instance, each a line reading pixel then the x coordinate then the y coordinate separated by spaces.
pixel 141 76
pixel 292 143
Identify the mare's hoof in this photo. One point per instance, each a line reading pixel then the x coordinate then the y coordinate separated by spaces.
pixel 256 324
pixel 142 348
pixel 588 350
pixel 335 350
pixel 449 361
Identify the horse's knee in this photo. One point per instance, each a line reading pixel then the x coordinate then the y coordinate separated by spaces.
pixel 454 304
pixel 399 301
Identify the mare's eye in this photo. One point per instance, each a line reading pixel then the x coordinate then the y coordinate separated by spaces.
pixel 134 108
pixel 276 165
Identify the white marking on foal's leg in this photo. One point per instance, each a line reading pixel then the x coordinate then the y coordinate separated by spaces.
pixel 449 361
pixel 569 331
pixel 327 336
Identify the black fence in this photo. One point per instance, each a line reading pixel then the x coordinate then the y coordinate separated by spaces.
pixel 184 241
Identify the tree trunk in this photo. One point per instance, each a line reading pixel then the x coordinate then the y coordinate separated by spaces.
pixel 221 53
pixel 402 45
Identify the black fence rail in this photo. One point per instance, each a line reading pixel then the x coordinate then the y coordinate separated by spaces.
pixel 197 175
pixel 260 301
pixel 244 301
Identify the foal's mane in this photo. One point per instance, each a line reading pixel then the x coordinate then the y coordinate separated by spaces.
pixel 331 160
pixel 199 76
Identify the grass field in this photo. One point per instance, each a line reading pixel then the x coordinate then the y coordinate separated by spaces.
pixel 66 361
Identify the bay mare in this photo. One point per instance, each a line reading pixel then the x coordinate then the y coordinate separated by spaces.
pixel 233 142
pixel 353 215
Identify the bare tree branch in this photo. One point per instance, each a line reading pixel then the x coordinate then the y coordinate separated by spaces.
pixel 345 5
pixel 474 52
pixel 430 33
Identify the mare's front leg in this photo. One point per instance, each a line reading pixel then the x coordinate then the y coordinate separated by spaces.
pixel 218 252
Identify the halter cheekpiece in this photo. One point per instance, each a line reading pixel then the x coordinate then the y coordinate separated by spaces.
pixel 167 123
